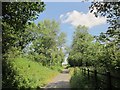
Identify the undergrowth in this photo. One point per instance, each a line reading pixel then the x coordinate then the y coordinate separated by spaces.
pixel 80 81
pixel 25 73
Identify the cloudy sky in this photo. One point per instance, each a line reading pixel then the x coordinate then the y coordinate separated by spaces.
pixel 71 14
pixel 76 18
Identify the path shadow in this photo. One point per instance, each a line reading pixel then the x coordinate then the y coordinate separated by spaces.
pixel 59 84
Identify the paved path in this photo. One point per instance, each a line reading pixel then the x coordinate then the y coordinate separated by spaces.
pixel 60 81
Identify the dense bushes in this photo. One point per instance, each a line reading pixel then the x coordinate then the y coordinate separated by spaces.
pixel 21 66
pixel 26 46
pixel 74 62
pixel 27 74
pixel 88 51
pixel 78 80
pixel 46 44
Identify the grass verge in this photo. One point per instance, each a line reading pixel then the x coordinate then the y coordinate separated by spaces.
pixel 78 80
pixel 29 74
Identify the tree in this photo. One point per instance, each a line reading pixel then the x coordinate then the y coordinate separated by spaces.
pixel 61 39
pixel 81 41
pixel 112 11
pixel 47 43
pixel 15 16
pixel 110 39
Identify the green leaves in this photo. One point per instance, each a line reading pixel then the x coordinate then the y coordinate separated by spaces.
pixel 102 50
pixel 46 39
pixel 112 11
pixel 28 74
pixel 61 39
pixel 80 49
pixel 87 51
pixel 16 14
pixel 22 38
pixel 15 17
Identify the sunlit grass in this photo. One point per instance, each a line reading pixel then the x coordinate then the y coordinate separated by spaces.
pixel 78 80
pixel 30 74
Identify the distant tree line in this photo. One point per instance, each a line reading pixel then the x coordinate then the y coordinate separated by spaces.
pixel 101 51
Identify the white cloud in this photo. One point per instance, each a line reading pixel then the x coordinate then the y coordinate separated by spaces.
pixel 78 18
pixel 61 16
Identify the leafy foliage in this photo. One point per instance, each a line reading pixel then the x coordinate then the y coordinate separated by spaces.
pixel 24 43
pixel 81 45
pixel 99 52
pixel 16 14
pixel 112 11
pixel 27 74
pixel 111 38
pixel 14 18
pixel 80 81
pixel 87 51
pixel 47 45
pixel 109 9
pixel 43 48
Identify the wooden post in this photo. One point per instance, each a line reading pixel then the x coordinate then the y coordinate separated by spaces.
pixel 96 83
pixel 88 74
pixel 84 71
pixel 74 71
pixel 109 81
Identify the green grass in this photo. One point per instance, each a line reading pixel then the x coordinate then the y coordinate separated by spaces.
pixel 30 74
pixel 71 70
pixel 78 80
pixel 57 68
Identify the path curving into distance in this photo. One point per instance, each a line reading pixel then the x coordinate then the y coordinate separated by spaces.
pixel 60 81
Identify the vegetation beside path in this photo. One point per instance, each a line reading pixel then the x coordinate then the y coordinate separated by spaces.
pixel 60 81
pixel 28 74
pixel 78 80
pixel 32 53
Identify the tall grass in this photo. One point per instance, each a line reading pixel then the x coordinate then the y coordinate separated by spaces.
pixel 78 80
pixel 29 74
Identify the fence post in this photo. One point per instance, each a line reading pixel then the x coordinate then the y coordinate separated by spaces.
pixel 75 71
pixel 109 81
pixel 83 71
pixel 96 83
pixel 88 74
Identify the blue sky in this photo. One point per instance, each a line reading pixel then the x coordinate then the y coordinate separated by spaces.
pixel 69 9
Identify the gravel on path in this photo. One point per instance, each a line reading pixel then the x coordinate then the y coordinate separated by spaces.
pixel 60 81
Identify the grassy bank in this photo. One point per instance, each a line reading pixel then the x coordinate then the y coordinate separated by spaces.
pixel 78 80
pixel 81 80
pixel 28 74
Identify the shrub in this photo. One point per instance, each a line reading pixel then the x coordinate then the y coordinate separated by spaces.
pixel 28 74
pixel 57 68
pixel 78 80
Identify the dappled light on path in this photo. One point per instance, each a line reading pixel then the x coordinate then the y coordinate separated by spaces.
pixel 60 81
